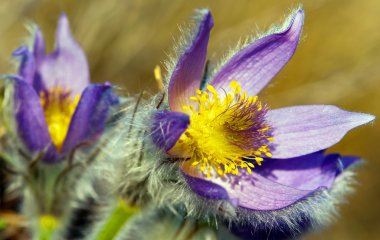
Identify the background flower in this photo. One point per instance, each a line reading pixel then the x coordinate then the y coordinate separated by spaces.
pixel 56 108
pixel 53 113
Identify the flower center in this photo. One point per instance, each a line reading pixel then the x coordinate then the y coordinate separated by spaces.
pixel 225 134
pixel 58 107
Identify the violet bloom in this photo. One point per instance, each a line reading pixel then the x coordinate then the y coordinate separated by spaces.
pixel 267 165
pixel 56 107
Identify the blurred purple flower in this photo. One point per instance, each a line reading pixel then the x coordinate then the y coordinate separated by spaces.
pixel 220 133
pixel 56 107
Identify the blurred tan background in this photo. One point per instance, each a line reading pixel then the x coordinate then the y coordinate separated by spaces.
pixel 337 62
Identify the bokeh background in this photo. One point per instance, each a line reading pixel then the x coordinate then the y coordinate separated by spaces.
pixel 337 62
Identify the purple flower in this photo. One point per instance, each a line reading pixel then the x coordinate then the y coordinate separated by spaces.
pixel 234 148
pixel 56 107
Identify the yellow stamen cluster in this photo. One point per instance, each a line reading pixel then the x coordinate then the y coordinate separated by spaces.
pixel 59 108
pixel 218 137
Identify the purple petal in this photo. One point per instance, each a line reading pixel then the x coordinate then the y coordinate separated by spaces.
pixel 27 66
pixel 274 185
pixel 303 221
pixel 187 74
pixel 255 65
pixel 67 66
pixel 348 161
pixel 301 130
pixel 249 191
pixel 30 120
pixel 206 188
pixel 258 193
pixel 90 116
pixel 38 46
pixel 306 172
pixel 168 127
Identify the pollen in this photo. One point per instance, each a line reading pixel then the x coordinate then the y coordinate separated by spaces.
pixel 227 132
pixel 59 107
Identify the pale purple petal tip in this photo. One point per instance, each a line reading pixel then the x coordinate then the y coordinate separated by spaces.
pixel 67 66
pixel 90 116
pixel 276 184
pixel 301 130
pixel 255 65
pixel 167 127
pixel 187 74
pixel 38 46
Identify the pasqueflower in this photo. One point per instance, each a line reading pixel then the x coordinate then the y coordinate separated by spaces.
pixel 55 106
pixel 266 164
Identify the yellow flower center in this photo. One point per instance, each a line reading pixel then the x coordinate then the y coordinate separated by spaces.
pixel 225 134
pixel 59 108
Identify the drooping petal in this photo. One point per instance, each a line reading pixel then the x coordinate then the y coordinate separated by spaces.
pixel 30 120
pixel 187 74
pixel 301 130
pixel 276 184
pixel 90 116
pixel 255 65
pixel 168 127
pixel 67 66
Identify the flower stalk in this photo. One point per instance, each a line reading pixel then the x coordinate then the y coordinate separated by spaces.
pixel 116 220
